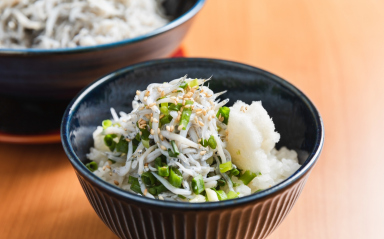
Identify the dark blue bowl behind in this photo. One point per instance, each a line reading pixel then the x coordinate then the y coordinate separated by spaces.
pixel 32 80
pixel 295 117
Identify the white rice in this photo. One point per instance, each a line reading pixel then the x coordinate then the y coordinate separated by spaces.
pixel 71 23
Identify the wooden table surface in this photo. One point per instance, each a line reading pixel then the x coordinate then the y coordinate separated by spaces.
pixel 332 50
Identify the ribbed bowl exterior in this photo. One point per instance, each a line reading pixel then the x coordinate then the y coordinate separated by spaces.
pixel 256 219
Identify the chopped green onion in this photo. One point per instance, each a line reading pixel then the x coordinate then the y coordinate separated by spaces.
pixel 210 160
pixel 224 167
pixel 161 188
pixel 224 112
pixel 185 116
pixel 204 142
pixel 137 137
pixel 234 172
pixel 122 145
pixel 148 178
pixel 189 102
pixel 175 148
pixel 221 195
pixel 258 190
pixel 106 123
pixel 181 196
pixel 135 185
pixel 132 180
pixel 92 166
pixel 145 142
pixel 171 154
pixel 184 85
pixel 193 83
pixel 232 195
pixel 221 182
pixel 145 134
pixel 152 191
pixel 158 162
pixel 212 142
pixel 166 119
pixel 198 184
pixel 164 110
pixel 108 140
pixel 163 171
pixel 174 107
pixel 247 177
pixel 174 178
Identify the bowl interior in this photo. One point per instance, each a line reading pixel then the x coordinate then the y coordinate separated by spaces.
pixel 294 116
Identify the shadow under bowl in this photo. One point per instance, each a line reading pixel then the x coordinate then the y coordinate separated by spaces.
pixel 37 84
pixel 254 216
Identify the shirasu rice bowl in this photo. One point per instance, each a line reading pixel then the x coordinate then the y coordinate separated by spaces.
pixel 70 23
pixel 181 143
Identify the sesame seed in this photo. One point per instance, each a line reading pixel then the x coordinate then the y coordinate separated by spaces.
pixel 163 147
pixel 160 197
pixel 152 132
pixel 147 93
pixel 241 108
pixel 199 140
pixel 161 116
pixel 204 112
pixel 221 119
pixel 168 128
pixel 145 192
pixel 202 90
pixel 128 140
pixel 178 118
pixel 192 107
pixel 201 123
pixel 188 106
pixel 146 164
pixel 158 130
pixel 145 98
pixel 196 121
pixel 104 168
pixel 161 137
pixel 180 127
pixel 138 92
pixel 162 94
pixel 174 91
pixel 108 166
pixel 151 105
pixel 140 133
pixel 172 128
pixel 203 152
pixel 158 89
pixel 110 173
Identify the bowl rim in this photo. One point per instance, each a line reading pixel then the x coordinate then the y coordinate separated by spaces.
pixel 120 193
pixel 169 26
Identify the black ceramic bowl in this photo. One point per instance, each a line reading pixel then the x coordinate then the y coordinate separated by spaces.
pixel 37 84
pixel 254 216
